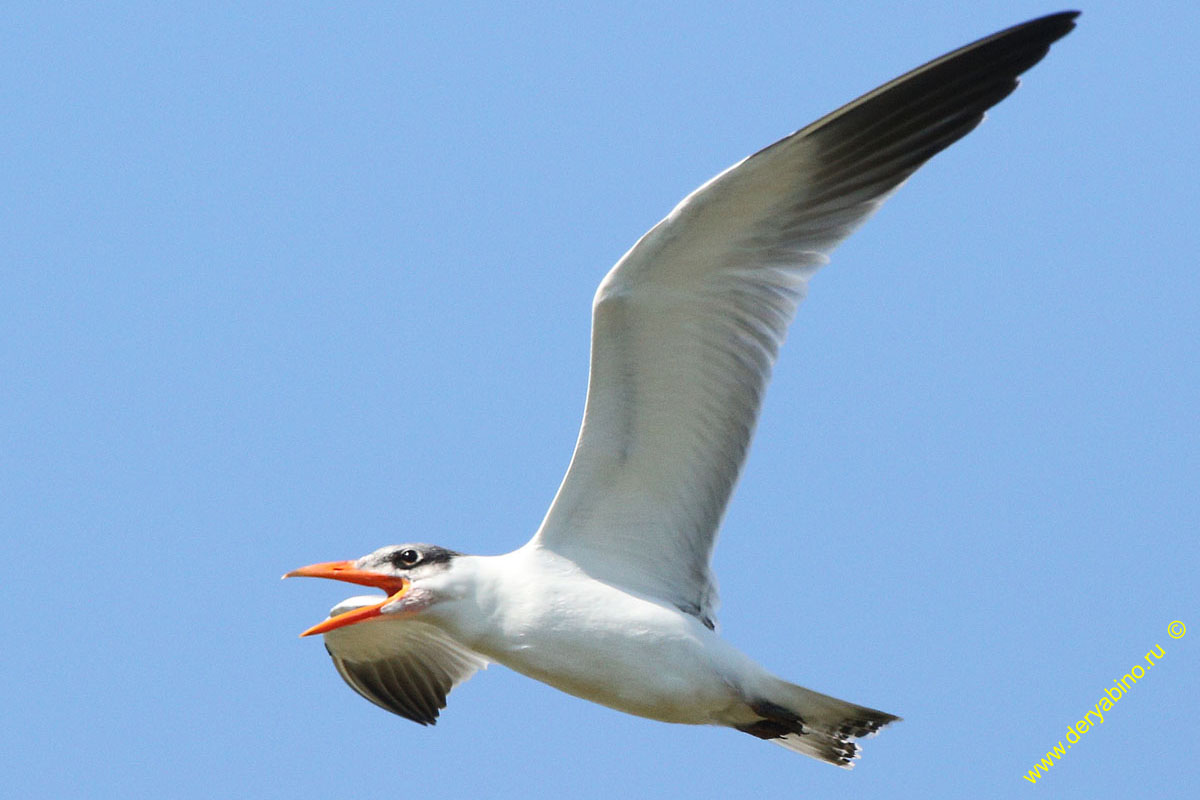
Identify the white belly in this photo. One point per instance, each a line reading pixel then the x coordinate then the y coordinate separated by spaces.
pixel 613 648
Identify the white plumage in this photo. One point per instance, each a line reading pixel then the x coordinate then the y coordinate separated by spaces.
pixel 612 599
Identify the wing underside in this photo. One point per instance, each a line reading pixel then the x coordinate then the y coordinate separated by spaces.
pixel 687 325
pixel 405 666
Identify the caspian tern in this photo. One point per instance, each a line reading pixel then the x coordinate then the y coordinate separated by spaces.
pixel 613 600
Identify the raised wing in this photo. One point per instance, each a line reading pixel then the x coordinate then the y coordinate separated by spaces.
pixel 405 666
pixel 687 325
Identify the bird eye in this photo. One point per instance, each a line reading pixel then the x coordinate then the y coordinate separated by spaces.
pixel 407 557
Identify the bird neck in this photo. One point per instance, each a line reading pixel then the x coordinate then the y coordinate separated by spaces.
pixel 468 597
pixel 490 601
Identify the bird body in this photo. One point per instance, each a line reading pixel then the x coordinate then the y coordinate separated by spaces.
pixel 536 613
pixel 613 599
pixel 532 611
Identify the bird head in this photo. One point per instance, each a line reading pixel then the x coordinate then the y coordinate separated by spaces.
pixel 407 574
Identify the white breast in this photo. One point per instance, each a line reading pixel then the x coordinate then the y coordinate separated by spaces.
pixel 539 615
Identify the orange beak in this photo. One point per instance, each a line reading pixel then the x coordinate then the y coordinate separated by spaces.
pixel 346 571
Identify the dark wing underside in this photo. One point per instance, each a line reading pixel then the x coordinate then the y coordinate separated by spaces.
pixel 405 666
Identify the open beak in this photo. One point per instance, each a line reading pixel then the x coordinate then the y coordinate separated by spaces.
pixel 346 571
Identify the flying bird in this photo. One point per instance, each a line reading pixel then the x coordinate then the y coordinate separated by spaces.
pixel 613 599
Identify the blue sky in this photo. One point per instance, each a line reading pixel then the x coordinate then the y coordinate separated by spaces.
pixel 286 282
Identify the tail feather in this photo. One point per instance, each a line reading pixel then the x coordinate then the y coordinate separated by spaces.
pixel 815 724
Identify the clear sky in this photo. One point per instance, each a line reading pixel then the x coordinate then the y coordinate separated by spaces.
pixel 284 282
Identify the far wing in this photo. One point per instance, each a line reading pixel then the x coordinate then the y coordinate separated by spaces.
pixel 687 325
pixel 405 666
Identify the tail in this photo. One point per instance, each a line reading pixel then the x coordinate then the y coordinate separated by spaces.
pixel 814 724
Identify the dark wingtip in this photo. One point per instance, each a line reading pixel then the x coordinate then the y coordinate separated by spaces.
pixel 1055 25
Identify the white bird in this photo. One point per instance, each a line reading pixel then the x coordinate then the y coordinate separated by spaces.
pixel 613 600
